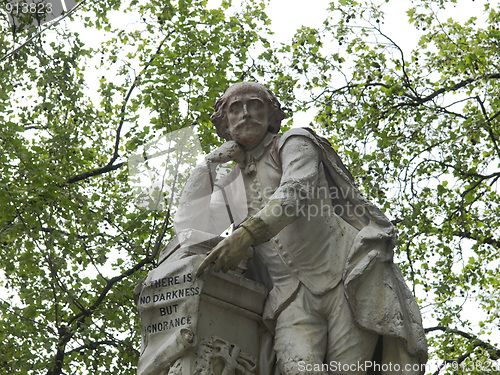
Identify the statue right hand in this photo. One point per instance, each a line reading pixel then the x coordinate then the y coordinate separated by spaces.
pixel 229 252
pixel 230 150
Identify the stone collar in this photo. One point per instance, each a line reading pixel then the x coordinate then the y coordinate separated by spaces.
pixel 257 152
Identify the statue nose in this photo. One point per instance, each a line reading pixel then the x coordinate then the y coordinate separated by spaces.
pixel 246 114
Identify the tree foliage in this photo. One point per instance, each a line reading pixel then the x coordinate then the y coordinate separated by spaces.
pixel 419 130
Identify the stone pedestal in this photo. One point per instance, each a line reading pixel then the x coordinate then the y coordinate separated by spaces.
pixel 208 325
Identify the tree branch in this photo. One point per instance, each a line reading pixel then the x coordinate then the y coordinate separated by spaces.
pixel 79 236
pixel 403 64
pixel 486 240
pixel 6 56
pixel 460 171
pixel 96 344
pixel 493 352
pixel 64 336
pixel 109 166
pixel 416 100
pixel 96 172
pixel 489 129
pixel 457 86
pixel 459 360
pixel 5 305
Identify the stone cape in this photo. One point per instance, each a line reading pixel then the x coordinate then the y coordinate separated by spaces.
pixel 376 292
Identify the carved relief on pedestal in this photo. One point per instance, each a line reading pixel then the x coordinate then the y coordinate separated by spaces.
pixel 219 357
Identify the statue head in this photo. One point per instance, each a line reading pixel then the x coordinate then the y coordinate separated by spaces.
pixel 274 113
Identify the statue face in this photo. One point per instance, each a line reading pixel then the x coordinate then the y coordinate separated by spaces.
pixel 248 117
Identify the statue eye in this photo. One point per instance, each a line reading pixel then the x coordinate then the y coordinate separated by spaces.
pixel 235 107
pixel 255 105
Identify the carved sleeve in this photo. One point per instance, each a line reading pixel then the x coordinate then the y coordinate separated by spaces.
pixel 301 161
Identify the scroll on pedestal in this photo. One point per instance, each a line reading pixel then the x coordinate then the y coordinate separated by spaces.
pixel 205 325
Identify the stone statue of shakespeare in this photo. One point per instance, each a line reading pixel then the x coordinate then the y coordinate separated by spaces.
pixel 336 299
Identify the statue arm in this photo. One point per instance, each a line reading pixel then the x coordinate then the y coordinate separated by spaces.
pixel 301 160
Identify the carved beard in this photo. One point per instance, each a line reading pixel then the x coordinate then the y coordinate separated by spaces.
pixel 248 132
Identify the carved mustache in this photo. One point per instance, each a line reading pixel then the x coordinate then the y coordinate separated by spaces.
pixel 245 123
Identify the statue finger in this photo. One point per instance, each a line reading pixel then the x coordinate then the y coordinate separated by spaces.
pixel 228 263
pixel 222 265
pixel 209 259
pixel 218 266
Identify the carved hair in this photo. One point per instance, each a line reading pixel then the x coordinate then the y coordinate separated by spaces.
pixel 219 118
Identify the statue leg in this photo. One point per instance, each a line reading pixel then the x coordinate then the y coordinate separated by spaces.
pixel 300 338
pixel 350 348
